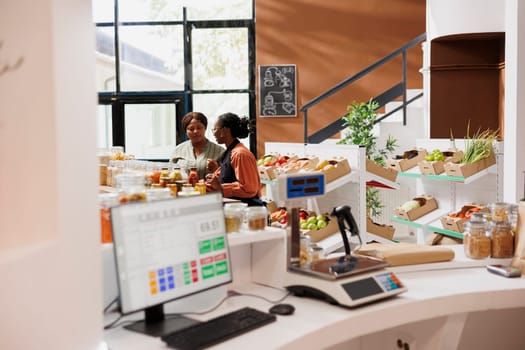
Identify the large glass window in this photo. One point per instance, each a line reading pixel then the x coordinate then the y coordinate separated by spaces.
pixel 164 58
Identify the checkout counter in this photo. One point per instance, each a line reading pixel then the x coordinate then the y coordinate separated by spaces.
pixel 460 306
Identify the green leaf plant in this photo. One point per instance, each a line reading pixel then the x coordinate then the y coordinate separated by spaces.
pixel 360 120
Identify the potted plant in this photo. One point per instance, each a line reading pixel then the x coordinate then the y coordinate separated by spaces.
pixel 360 120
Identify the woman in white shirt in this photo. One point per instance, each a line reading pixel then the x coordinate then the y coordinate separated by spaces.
pixel 197 151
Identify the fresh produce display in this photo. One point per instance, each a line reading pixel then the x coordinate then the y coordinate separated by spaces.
pixel 411 204
pixel 435 155
pixel 465 213
pixel 314 222
pixel 479 146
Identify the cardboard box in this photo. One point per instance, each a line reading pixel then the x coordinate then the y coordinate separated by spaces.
pixel 318 235
pixel 267 172
pixel 429 205
pixel 406 163
pixel 437 167
pixel 457 224
pixel 340 168
pixel 434 167
pixel 305 163
pixel 469 169
pixel 376 169
pixel 385 231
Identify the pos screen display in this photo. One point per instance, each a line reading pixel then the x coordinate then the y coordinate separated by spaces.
pixel 169 249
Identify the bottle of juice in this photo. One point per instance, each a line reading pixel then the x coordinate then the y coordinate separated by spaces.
pixel 193 176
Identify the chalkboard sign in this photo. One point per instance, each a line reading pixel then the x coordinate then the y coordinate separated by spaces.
pixel 277 91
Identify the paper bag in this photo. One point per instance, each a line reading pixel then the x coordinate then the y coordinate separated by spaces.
pixel 519 240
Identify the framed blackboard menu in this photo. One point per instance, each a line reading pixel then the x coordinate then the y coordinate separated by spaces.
pixel 277 91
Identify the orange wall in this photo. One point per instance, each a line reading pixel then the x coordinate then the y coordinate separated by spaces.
pixel 329 41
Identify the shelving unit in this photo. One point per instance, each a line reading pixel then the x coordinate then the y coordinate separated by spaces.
pixel 346 190
pixel 451 192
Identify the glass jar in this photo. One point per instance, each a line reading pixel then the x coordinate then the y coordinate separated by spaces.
pixel 176 173
pixel 257 218
pixel 106 202
pixel 154 170
pixel 233 217
pixel 131 187
pixel 304 250
pixel 475 240
pixel 502 240
pixel 193 176
pixel 499 211
pixel 315 252
pixel 187 190
pixel 238 206
pixel 200 187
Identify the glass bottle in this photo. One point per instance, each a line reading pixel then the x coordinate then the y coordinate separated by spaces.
pixel 176 173
pixel 475 240
pixel 193 176
pixel 106 202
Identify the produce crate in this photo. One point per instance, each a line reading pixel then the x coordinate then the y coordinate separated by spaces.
pixel 376 169
pixel 457 224
pixel 469 169
pixel 305 163
pixel 328 230
pixel 406 163
pixel 429 205
pixel 341 167
pixel 437 167
pixel 267 172
pixel 385 231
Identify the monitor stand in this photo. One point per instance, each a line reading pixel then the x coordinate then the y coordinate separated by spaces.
pixel 156 324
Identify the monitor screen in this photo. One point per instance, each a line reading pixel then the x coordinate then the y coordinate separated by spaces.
pixel 169 249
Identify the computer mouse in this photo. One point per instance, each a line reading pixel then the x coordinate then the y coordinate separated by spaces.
pixel 282 309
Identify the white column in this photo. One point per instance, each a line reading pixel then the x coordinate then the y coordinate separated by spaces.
pixel 514 145
pixel 50 263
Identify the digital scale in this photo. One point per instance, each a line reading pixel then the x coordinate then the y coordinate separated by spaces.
pixel 348 280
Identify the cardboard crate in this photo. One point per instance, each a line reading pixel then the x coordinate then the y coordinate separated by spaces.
pixel 405 163
pixel 437 167
pixel 458 224
pixel 434 167
pixel 318 235
pixel 341 168
pixel 416 213
pixel 469 169
pixel 305 163
pixel 385 231
pixel 376 169
pixel 267 172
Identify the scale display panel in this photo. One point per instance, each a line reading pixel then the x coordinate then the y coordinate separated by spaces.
pixel 296 186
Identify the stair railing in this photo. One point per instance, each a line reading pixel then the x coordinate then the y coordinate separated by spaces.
pixel 390 94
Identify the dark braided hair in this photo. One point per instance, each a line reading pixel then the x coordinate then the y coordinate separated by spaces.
pixel 239 127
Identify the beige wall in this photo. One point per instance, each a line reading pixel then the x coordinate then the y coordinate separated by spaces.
pixel 329 41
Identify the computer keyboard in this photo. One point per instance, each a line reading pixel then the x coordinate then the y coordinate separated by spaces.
pixel 219 329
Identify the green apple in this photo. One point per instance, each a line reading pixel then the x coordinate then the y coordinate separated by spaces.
pixel 304 225
pixel 321 217
pixel 311 220
pixel 312 226
pixel 321 223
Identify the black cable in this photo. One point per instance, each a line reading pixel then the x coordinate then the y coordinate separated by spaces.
pixel 111 303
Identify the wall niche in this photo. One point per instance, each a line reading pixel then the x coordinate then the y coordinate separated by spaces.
pixel 467 73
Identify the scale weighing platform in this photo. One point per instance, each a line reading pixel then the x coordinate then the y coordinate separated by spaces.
pixel 349 280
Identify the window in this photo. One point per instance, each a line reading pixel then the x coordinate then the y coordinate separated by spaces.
pixel 165 58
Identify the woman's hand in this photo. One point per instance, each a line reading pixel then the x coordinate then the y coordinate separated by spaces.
pixel 212 183
pixel 211 165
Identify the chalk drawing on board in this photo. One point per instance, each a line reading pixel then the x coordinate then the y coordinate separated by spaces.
pixel 277 91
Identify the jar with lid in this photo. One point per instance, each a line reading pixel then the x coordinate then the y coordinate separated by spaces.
pixel 257 218
pixel 315 252
pixel 476 242
pixel 153 170
pixel 176 173
pixel 499 211
pixel 200 187
pixel 193 176
pixel 131 187
pixel 233 217
pixel 502 240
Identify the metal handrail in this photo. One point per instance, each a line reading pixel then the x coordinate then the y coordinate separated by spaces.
pixel 400 51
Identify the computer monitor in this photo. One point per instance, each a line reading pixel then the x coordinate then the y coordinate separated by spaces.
pixel 166 250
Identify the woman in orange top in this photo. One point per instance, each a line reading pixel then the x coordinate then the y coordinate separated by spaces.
pixel 237 175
